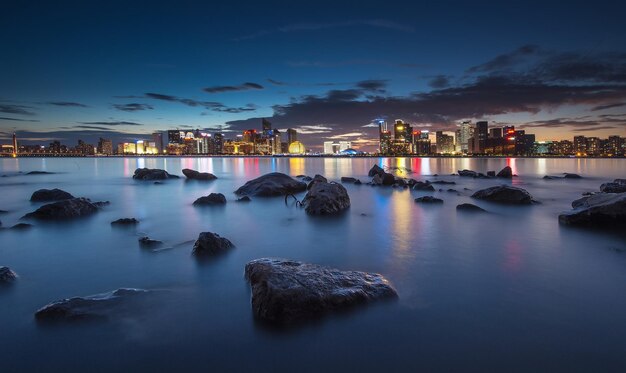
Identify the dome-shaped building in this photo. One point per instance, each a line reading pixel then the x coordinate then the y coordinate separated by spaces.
pixel 296 147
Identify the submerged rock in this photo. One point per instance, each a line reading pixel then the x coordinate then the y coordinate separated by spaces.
pixel 491 173
pixel 244 199
pixel 149 242
pixel 506 173
pixel 93 307
pixel 571 176
pixel 152 174
pixel 443 182
pixel 428 199
pixel 505 194
pixel 272 184
pixel 48 195
pixel 617 186
pixel 326 198
pixel 211 244
pixel 21 226
pixel 345 179
pixel 424 186
pixel 210 200
pixel 383 178
pixel 467 173
pixel 195 175
pixel 285 291
pixel 67 209
pixel 600 209
pixel 39 173
pixel 469 207
pixel 125 221
pixel 375 170
pixel 7 276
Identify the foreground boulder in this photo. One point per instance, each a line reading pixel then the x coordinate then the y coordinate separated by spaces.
pixel 505 194
pixel 272 184
pixel 67 209
pixel 375 170
pixel 326 199
pixel 617 186
pixel 195 175
pixel 469 207
pixel 285 291
pixel 211 244
pixel 600 209
pixel 316 179
pixel 49 195
pixel 506 173
pixel 211 200
pixel 152 174
pixel 7 276
pixel 93 307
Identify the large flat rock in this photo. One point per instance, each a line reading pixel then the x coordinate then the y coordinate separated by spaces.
pixel 67 209
pixel 272 184
pixel 600 209
pixel 285 291
pixel 152 174
pixel 505 194
pixel 48 195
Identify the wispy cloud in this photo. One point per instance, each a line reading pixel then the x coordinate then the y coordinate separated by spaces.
pixel 18 120
pixel 66 104
pixel 112 123
pixel 132 107
pixel 16 109
pixel 233 88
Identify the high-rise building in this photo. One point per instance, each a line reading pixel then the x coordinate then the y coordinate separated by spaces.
pixel 105 146
pixel 594 147
pixel 580 145
pixel 157 137
pixel 15 149
pixel 175 137
pixel 292 135
pixel 267 127
pixel 480 136
pixel 218 143
pixel 328 147
pixel 384 137
pixel 445 143
pixel 495 133
pixel 614 146
pixel 464 134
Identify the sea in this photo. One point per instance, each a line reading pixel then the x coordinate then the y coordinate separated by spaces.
pixel 510 290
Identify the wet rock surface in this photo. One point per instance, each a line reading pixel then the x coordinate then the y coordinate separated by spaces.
pixel 470 207
pixel 7 276
pixel 244 199
pixel 195 175
pixel 375 170
pixel 286 291
pixel 148 242
pixel 351 180
pixel 125 221
pixel 152 174
pixel 209 244
pixel 428 199
pixel 211 200
pixel 325 198
pixel 600 209
pixel 93 307
pixel 316 179
pixel 424 186
pixel 67 209
pixel 49 195
pixel 505 173
pixel 617 186
pixel 505 194
pixel 272 184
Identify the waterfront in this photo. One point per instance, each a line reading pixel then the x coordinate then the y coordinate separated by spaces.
pixel 506 291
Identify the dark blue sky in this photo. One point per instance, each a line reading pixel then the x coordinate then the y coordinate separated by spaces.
pixel 87 69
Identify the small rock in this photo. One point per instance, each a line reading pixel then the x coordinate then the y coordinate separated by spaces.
pixel 375 170
pixel 506 173
pixel 572 176
pixel 467 173
pixel 66 209
pixel 21 226
pixel 423 186
pixel 152 174
pixel 195 175
pixel 443 182
pixel 357 182
pixel 428 199
pixel 211 244
pixel 345 179
pixel 149 242
pixel 7 276
pixel 244 199
pixel 505 194
pixel 49 195
pixel 125 221
pixel 272 184
pixel 39 173
pixel 469 207
pixel 326 198
pixel 210 200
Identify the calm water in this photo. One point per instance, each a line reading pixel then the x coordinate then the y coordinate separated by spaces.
pixel 506 291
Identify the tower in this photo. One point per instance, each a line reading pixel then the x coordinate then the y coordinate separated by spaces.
pixel 15 150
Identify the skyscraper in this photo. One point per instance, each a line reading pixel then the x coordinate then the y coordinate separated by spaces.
pixel 157 137
pixel 105 146
pixel 464 136
pixel 15 149
pixel 292 135
pixel 480 136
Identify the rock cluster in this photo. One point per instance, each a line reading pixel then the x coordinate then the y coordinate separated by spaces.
pixel 600 209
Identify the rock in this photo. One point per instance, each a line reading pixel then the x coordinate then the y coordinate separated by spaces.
pixel 357 182
pixel 67 209
pixel 21 226
pixel 400 182
pixel 272 184
pixel 7 276
pixel 572 176
pixel 467 173
pixel 617 186
pixel 316 179
pixel 195 175
pixel 548 177
pixel 211 244
pixel 210 200
pixel 384 178
pixel 244 199
pixel 375 170
pixel 125 221
pixel 345 179
pixel 469 207
pixel 286 291
pixel 601 209
pixel 506 173
pixel 505 194
pixel 48 195
pixel 452 191
pixel 491 173
pixel 428 199
pixel 149 242
pixel 3 211
pixel 39 173
pixel 580 202
pixel 424 186
pixel 306 179
pixel 443 182
pixel 152 174
pixel 326 199
pixel 93 307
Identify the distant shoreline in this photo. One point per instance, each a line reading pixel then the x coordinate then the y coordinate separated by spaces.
pixel 310 156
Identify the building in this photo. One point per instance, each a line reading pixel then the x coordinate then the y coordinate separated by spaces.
pixel 463 135
pixel 15 148
pixel 292 136
pixel 296 148
pixel 175 137
pixel 105 147
pixel 384 137
pixel 593 146
pixel 157 137
pixel 580 145
pixel 445 143
pixel 331 147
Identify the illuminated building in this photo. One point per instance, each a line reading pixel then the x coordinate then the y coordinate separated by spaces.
pixel 296 147
pixel 157 137
pixel 593 146
pixel 464 134
pixel 384 137
pixel 421 143
pixel 218 143
pixel 445 143
pixel 580 145
pixel 292 135
pixel 479 142
pixel 129 148
pixel 15 148
pixel 495 133
pixel 614 146
pixel 105 147
pixel 266 127
pixel 174 137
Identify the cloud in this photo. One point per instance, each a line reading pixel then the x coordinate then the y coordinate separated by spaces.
pixel 209 105
pixel 608 106
pixel 276 82
pixel 18 120
pixel 439 81
pixel 507 60
pixel 132 107
pixel 16 109
pixel 90 127
pixel 345 135
pixel 318 26
pixel 593 129
pixel 66 104
pixel 228 88
pixel 112 123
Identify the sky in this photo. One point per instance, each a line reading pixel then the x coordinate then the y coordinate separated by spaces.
pixel 122 70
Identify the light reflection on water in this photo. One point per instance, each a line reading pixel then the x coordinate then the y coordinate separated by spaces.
pixel 508 290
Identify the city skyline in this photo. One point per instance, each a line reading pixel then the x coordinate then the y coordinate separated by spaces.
pixel 556 72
